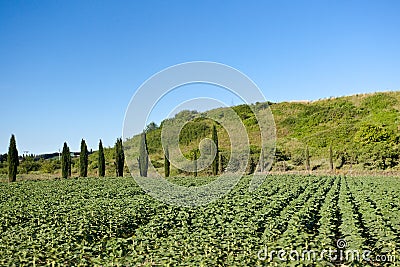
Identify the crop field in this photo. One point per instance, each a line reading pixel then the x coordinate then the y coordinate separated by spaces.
pixel 290 220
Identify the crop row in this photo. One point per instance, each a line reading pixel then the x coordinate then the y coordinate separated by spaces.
pixel 111 221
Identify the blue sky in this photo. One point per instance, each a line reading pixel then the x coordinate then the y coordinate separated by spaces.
pixel 68 69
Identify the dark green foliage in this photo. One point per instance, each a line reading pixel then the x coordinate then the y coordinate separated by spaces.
pixel 281 154
pixel 151 127
pixel 252 166
pixel 330 157
pixel 307 159
pixel 119 158
pixel 66 161
pixel 195 157
pixel 221 161
pixel 83 159
pixel 143 156
pixel 3 157
pixel 13 160
pixel 101 161
pixel 246 115
pixel 216 159
pixel 166 163
pixel 380 155
pixel 153 141
pixel 194 130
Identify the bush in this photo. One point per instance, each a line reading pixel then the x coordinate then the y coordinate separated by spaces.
pixel 382 155
pixel 282 166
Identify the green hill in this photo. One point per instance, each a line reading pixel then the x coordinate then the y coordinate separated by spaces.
pixel 363 131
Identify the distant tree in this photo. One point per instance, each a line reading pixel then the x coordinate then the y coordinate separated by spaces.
pixel 262 160
pixel 252 166
pixel 143 156
pixel 102 161
pixel 221 163
pixel 83 159
pixel 195 157
pixel 119 158
pixel 307 159
pixel 330 157
pixel 13 160
pixel 66 161
pixel 151 127
pixel 166 162
pixel 215 140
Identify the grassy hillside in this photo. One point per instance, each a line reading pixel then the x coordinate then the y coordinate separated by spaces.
pixel 363 131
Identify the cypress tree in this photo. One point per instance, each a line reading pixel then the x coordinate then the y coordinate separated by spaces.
pixel 102 161
pixel 83 159
pixel 221 163
pixel 262 160
pixel 69 163
pixel 252 166
pixel 143 156
pixel 195 162
pixel 331 157
pixel 166 163
pixel 119 158
pixel 216 159
pixel 66 161
pixel 13 160
pixel 307 159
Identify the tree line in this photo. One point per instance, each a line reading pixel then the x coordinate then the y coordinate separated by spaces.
pixel 66 160
pixel 143 159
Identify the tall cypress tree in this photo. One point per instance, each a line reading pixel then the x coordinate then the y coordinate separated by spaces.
pixel 83 159
pixel 13 161
pixel 216 159
pixel 307 159
pixel 66 161
pixel 102 161
pixel 119 158
pixel 143 156
pixel 69 165
pixel 167 164
pixel 195 156
pixel 330 157
pixel 221 163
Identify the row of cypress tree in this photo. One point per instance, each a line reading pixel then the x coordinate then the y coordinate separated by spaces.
pixel 84 160
pixel 143 160
pixel 66 160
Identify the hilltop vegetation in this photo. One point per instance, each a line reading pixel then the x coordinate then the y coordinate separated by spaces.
pixel 363 131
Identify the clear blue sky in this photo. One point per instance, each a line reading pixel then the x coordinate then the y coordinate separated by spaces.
pixel 68 69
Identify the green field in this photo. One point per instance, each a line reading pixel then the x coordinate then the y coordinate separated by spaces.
pixel 111 221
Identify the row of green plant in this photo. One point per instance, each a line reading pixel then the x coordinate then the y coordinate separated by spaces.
pixel 111 221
